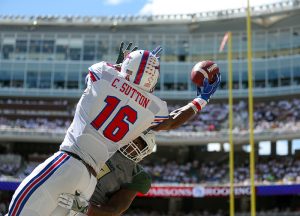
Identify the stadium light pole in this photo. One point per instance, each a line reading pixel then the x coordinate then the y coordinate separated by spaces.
pixel 230 103
pixel 250 110
pixel 228 39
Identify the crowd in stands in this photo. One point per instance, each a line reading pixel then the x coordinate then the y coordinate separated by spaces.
pixel 284 170
pixel 272 115
pixel 34 102
pixel 40 124
pixel 10 164
pixel 280 170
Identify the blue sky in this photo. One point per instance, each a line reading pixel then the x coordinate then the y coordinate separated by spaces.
pixel 70 7
pixel 117 7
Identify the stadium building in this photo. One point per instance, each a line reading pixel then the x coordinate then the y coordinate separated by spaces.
pixel 43 65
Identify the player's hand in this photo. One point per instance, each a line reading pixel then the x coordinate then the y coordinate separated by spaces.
pixel 208 89
pixel 73 202
pixel 124 53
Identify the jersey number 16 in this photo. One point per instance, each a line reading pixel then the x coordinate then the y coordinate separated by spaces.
pixel 118 127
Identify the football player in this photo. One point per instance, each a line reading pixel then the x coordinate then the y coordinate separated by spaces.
pixel 115 108
pixel 118 182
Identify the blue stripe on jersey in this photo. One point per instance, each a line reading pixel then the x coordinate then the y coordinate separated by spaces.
pixel 96 75
pixel 37 184
pixel 161 116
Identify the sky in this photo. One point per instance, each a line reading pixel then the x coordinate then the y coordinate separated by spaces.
pixel 118 7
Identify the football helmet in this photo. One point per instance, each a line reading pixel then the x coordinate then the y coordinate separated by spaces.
pixel 141 68
pixel 139 148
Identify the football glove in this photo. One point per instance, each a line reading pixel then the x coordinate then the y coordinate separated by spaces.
pixel 208 89
pixel 124 53
pixel 73 202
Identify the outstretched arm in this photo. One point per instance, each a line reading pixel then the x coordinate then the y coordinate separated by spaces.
pixel 176 118
pixel 183 114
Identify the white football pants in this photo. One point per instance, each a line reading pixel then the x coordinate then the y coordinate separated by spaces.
pixel 38 193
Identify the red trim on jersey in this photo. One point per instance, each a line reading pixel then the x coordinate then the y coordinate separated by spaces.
pixel 197 105
pixel 92 76
pixel 141 69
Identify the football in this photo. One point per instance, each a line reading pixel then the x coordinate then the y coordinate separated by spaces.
pixel 204 69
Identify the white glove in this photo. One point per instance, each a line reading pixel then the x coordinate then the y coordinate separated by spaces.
pixel 73 202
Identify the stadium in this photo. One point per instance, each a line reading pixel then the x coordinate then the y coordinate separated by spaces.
pixel 43 64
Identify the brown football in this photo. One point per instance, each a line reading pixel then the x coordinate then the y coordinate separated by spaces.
pixel 204 69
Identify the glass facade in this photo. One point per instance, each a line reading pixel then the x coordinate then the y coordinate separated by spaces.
pixel 49 60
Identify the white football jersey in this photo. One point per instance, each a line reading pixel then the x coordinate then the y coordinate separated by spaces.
pixel 110 113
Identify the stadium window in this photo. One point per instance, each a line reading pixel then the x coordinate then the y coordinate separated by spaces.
pixel 259 74
pixel 235 79
pixel 181 78
pixel 5 78
pixel 223 84
pixel 102 48
pixel 285 77
pixel 296 73
pixel 259 45
pixel 273 73
pixel 296 41
pixel 21 45
pixel 62 48
pixel 213 147
pixel 35 49
pixel 284 42
pixel 296 146
pixel 168 76
pixel 170 48
pixel 18 75
pixel 75 53
pixel 32 79
pixel 272 44
pixel 45 79
pixel 244 74
pixel 48 49
pixel 89 50
pixel 8 47
pixel 73 76
pixel 264 148
pixel 282 147
pixel 59 80
pixel 183 50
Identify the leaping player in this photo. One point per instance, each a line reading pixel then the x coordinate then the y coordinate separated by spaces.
pixel 116 107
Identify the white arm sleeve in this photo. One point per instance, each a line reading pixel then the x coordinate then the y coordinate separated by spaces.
pixel 161 115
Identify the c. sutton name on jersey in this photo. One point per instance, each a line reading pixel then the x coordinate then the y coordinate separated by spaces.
pixel 131 92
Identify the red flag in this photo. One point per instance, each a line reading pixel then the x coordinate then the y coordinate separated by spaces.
pixel 224 41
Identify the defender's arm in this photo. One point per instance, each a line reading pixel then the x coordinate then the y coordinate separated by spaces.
pixel 117 204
